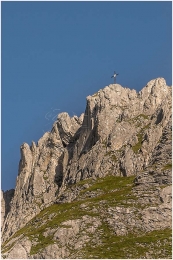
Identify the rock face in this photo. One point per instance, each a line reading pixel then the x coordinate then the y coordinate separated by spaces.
pixel 121 134
pixel 40 173
pixel 6 198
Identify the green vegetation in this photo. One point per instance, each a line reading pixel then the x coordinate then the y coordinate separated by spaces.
pixel 104 143
pixel 138 118
pixel 43 242
pixel 131 246
pixel 109 153
pixel 7 248
pixel 144 116
pixel 140 135
pixel 146 127
pixel 86 181
pixel 167 166
pixel 115 191
pixel 110 183
pixel 112 156
pixel 137 146
pixel 38 225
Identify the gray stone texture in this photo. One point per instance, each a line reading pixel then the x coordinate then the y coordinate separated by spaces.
pixel 122 133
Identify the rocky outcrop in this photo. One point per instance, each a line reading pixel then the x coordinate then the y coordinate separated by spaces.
pixel 122 133
pixel 116 121
pixel 40 175
pixel 6 198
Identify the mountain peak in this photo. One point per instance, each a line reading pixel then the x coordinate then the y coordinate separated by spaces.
pixel 112 161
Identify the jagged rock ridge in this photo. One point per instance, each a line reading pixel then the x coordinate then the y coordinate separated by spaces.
pixel 121 133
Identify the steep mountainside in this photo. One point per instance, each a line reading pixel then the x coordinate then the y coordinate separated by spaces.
pixel 97 186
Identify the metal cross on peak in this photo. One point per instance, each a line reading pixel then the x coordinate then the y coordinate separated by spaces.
pixel 114 76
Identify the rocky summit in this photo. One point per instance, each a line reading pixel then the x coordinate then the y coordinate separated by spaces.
pixel 98 185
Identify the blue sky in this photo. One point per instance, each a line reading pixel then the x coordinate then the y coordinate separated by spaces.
pixel 54 54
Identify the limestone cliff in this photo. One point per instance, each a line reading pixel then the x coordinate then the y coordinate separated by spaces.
pixel 121 134
pixel 6 198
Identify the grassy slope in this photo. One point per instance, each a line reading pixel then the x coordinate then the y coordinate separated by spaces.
pixel 116 191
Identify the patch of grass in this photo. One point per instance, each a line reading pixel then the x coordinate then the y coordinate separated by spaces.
pixel 137 118
pixel 36 227
pixel 115 247
pixel 146 127
pixel 42 243
pixel 140 135
pixel 167 166
pixel 144 116
pixel 112 156
pixel 111 182
pixel 86 181
pixel 109 153
pixel 116 191
pixel 163 186
pixel 104 143
pixel 7 248
pixel 137 146
pixel 81 183
pixel 117 198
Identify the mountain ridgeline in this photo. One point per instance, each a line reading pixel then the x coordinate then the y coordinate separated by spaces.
pixel 98 185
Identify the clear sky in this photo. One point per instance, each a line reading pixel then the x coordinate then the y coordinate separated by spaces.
pixel 54 54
